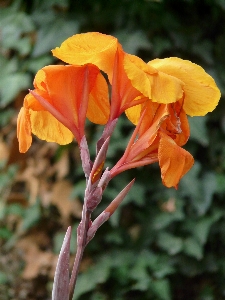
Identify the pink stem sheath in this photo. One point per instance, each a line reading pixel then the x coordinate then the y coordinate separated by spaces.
pixel 81 243
pixel 61 279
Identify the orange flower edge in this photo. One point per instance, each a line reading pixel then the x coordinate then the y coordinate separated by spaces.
pixel 174 161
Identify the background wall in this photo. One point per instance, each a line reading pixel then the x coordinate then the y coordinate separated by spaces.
pixel 162 243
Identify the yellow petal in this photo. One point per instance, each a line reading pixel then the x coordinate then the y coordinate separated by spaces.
pixel 157 86
pixel 174 161
pixel 47 127
pixel 166 89
pixel 92 47
pixel 138 73
pixel 24 130
pixel 133 113
pixel 201 92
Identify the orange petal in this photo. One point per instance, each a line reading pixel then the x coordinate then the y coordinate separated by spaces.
pixel 47 127
pixel 92 47
pixel 147 132
pixel 24 130
pixel 66 92
pixel 64 87
pixel 124 94
pixel 201 93
pixel 98 103
pixel 30 102
pixel 174 161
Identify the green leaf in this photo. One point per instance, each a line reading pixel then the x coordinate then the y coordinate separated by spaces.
pixel 5 116
pixel 99 296
pixel 5 233
pixel 3 278
pixel 78 189
pixel 133 41
pixel 15 209
pixel 207 187
pixel 53 34
pixel 193 248
pixel 204 50
pixel 3 210
pixel 191 180
pixel 13 26
pixel 11 85
pixel 198 130
pixel 202 228
pixel 96 274
pixel 169 243
pixel 220 179
pixel 8 66
pixel 163 219
pixel 47 5
pixel 39 62
pixel 139 271
pixel 202 189
pixel 161 289
pixel 160 44
pixel 32 216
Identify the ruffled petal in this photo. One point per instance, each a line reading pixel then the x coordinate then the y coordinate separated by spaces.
pixel 92 47
pixel 174 161
pixel 157 86
pixel 166 89
pixel 140 74
pixel 46 127
pixel 201 92
pixel 148 128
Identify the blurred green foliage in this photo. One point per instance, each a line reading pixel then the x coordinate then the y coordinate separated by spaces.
pixel 161 243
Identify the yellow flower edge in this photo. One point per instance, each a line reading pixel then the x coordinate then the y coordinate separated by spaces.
pixel 91 47
pixel 201 94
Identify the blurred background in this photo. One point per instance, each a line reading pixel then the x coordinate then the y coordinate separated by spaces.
pixel 161 244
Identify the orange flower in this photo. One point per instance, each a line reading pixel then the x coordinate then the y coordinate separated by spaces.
pixel 157 97
pixel 163 126
pixel 174 79
pixel 56 110
pixel 161 131
pixel 107 54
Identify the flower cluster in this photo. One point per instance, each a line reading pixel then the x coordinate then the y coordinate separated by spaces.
pixel 100 82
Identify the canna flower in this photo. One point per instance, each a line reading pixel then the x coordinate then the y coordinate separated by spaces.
pixel 105 52
pixel 132 80
pixel 63 97
pixel 162 124
pixel 156 97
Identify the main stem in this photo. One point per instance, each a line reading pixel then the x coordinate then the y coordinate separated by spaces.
pixel 81 243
